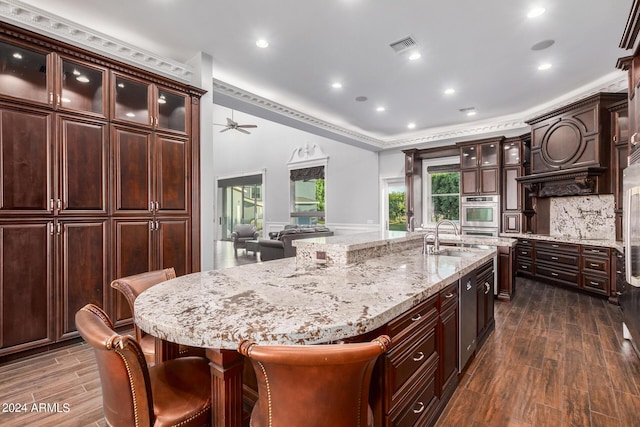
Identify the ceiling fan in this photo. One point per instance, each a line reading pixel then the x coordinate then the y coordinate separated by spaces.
pixel 232 124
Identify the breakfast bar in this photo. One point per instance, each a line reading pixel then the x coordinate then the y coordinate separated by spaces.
pixel 290 301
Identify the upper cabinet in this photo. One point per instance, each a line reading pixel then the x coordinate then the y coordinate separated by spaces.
pixel 23 73
pixel 52 80
pixel 479 164
pixel 631 64
pixel 142 103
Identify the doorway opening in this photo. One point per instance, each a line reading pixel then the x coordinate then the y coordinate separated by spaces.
pixel 241 201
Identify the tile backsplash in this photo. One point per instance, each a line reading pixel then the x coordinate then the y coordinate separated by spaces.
pixel 583 217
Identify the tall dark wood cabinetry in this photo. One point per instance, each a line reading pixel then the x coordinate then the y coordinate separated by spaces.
pixel 631 64
pixel 620 152
pixel 479 167
pixel 515 152
pixel 96 182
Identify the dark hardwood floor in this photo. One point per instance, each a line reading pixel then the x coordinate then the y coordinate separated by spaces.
pixel 556 358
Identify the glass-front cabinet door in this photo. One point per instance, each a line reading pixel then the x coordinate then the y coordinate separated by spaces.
pixel 489 154
pixel 469 157
pixel 130 100
pixel 82 87
pixel 171 110
pixel 23 74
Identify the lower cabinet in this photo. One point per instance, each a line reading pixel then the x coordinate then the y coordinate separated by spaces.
pixel 448 346
pixel 484 293
pixel 589 268
pixel 65 269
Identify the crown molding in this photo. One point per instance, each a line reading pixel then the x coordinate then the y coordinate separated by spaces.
pixel 42 22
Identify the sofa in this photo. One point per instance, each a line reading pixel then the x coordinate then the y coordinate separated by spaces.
pixel 279 244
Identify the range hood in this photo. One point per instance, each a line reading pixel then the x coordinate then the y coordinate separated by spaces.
pixel 581 181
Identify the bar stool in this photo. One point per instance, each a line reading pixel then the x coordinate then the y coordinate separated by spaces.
pixel 176 392
pixel 313 385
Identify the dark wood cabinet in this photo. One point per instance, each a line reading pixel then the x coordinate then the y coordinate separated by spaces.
pixel 631 64
pixel 515 152
pixel 96 167
pixel 620 142
pixel 479 167
pixel 26 285
pixel 485 300
pixel 448 329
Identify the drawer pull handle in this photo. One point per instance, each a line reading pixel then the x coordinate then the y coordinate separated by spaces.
pixel 416 317
pixel 418 357
pixel 524 267
pixel 487 286
pixel 554 274
pixel 596 251
pixel 449 295
pixel 419 409
pixel 554 246
pixel 594 283
pixel 593 264
pixel 555 258
pixel 618 272
pixel 524 252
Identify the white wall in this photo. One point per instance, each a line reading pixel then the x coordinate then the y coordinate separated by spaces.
pixel 352 185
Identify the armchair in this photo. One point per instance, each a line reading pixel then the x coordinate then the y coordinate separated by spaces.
pixel 242 233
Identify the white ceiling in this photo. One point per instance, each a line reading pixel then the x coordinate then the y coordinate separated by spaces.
pixel 481 48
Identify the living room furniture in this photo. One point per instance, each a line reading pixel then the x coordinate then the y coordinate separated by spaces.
pixel 241 234
pixel 313 385
pixel 176 392
pixel 253 246
pixel 280 246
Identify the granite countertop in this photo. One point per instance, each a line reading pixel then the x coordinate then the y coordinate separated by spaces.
pixel 606 243
pixel 278 302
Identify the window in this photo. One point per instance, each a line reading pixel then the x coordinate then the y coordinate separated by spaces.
pixel 441 190
pixel 307 189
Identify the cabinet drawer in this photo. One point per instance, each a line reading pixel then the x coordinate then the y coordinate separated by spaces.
pixel 555 247
pixel 596 251
pixel 558 258
pixel 419 315
pixel 554 273
pixel 524 242
pixel 524 266
pixel 523 252
pixel 597 264
pixel 419 405
pixel 406 361
pixel 596 283
pixel 448 296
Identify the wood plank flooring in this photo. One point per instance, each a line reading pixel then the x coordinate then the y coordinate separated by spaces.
pixel 556 358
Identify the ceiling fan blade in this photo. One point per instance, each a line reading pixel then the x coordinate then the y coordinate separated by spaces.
pixel 242 130
pixel 247 126
pixel 230 122
pixel 225 129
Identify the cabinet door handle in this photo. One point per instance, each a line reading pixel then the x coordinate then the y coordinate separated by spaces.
pixel 618 272
pixel 51 205
pixel 150 206
pixel 58 229
pixel 58 100
pixel 554 274
pixel 449 295
pixel 488 287
pixel 418 357
pixel 157 225
pixel 51 98
pixel 157 205
pixel 59 203
pixel 416 318
pixel 51 228
pixel 634 139
pixel 419 409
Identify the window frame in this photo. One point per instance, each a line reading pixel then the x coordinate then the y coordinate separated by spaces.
pixel 427 207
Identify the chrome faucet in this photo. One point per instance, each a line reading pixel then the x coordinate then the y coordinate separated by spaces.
pixel 426 247
pixel 436 243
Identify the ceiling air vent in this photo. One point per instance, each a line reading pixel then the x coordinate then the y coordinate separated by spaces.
pixel 404 44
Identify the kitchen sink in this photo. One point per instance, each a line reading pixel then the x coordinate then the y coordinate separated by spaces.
pixel 456 253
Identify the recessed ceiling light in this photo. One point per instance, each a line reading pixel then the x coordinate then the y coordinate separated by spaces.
pixel 411 125
pixel 336 85
pixel 17 55
pixel 544 66
pixel 380 109
pixel 471 113
pixel 414 56
pixel 449 91
pixel 262 43
pixel 536 11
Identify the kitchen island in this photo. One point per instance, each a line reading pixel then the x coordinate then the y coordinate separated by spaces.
pixel 292 302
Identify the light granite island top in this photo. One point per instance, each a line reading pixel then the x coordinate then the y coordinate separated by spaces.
pixel 281 302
